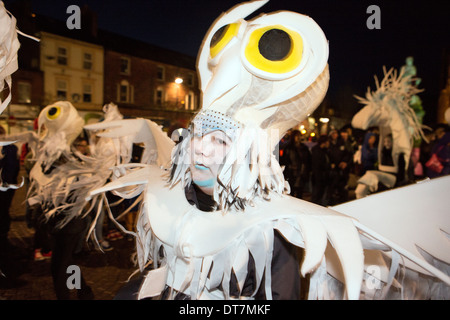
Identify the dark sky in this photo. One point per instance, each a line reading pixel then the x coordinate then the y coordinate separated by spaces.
pixel 408 28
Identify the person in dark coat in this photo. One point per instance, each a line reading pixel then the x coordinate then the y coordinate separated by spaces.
pixel 369 152
pixel 297 161
pixel 341 159
pixel 65 239
pixel 320 170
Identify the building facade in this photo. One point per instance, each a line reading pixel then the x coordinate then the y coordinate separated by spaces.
pixel 146 88
pixel 150 82
pixel 90 67
pixel 73 71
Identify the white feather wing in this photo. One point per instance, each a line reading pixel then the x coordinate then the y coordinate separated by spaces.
pixel 411 220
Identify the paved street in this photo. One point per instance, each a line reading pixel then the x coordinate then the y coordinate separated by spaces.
pixel 105 272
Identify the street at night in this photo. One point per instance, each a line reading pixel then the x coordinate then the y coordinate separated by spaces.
pixel 233 150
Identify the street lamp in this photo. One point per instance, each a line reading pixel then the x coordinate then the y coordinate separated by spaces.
pixel 324 127
pixel 178 81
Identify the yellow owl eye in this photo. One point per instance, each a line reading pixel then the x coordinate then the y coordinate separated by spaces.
pixel 274 49
pixel 222 37
pixel 53 113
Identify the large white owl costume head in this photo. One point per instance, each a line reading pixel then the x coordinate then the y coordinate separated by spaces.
pixel 259 78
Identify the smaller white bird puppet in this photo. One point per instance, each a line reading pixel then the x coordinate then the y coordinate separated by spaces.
pixel 62 177
pixel 58 126
pixel 56 175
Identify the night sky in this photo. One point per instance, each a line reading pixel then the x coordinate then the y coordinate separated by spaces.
pixel 408 28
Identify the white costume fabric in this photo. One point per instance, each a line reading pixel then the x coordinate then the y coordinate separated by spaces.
pixel 255 102
pixel 60 177
pixel 415 218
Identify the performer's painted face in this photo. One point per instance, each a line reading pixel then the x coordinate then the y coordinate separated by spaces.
pixel 388 142
pixel 207 154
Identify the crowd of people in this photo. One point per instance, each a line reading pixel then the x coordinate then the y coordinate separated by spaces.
pixel 319 168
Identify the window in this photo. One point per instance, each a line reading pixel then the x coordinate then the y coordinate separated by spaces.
pixel 24 92
pixel 125 92
pixel 124 65
pixel 160 73
pixel 87 61
pixel 190 98
pixel 159 96
pixel 61 89
pixel 190 80
pixel 87 92
pixel 62 56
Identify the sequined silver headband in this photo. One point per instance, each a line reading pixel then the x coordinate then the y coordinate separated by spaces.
pixel 210 120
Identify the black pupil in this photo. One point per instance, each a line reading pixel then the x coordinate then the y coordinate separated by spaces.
pixel 218 35
pixel 275 45
pixel 52 111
